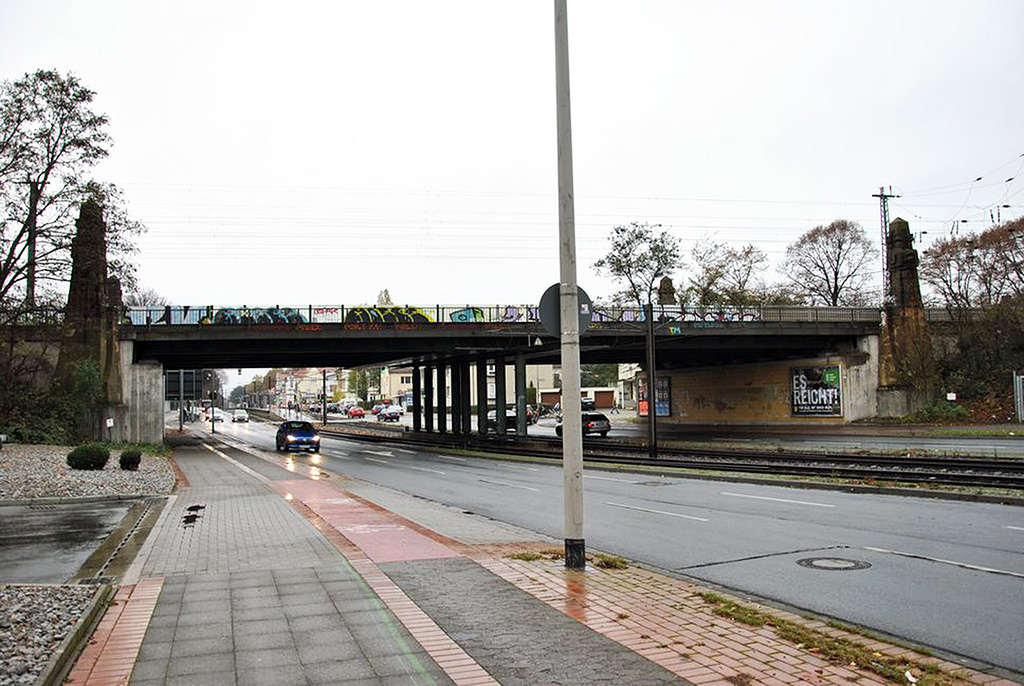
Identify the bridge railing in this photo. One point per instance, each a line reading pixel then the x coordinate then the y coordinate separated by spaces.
pixel 481 314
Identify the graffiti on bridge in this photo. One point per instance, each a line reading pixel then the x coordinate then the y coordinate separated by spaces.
pixel 386 315
pixel 245 315
pixel 602 314
pixel 468 314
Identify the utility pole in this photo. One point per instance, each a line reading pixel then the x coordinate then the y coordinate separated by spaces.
pixel 30 224
pixel 572 430
pixel 883 201
pixel 652 411
pixel 323 397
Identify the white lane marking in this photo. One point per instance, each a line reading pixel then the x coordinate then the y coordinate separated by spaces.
pixel 449 457
pixel 424 469
pixel 516 466
pixel 505 483
pixel 1016 528
pixel 661 512
pixel 407 452
pixel 382 453
pixel 608 478
pixel 374 459
pixel 965 565
pixel 778 500
pixel 341 456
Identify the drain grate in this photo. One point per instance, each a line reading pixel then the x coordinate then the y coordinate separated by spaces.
pixel 96 581
pixel 833 564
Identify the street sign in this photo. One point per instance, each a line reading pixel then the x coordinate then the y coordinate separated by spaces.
pixel 551 310
pixel 193 379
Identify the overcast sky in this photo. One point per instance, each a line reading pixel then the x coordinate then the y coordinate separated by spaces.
pixel 318 152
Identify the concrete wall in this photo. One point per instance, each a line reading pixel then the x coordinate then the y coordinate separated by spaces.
pixel 141 418
pixel 761 393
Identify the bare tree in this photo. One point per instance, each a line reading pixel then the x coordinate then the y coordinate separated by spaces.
pixel 707 266
pixel 723 275
pixel 639 256
pixel 144 297
pixel 977 270
pixel 831 265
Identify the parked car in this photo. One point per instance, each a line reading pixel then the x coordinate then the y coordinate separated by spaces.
pixel 592 423
pixel 510 420
pixel 294 434
pixel 239 416
pixel 355 411
pixel 588 404
pixel 391 413
pixel 377 408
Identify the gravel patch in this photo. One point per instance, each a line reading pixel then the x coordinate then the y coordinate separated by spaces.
pixel 41 471
pixel 33 622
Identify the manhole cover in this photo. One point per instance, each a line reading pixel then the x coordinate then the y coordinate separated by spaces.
pixel 833 564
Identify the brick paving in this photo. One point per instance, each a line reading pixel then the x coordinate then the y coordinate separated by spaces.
pixel 110 656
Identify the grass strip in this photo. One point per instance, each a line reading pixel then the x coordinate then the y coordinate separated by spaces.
pixel 838 651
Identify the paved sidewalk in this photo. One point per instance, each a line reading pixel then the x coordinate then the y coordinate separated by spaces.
pixel 269 570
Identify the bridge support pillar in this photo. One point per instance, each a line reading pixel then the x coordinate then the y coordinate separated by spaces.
pixel 467 398
pixel 481 396
pixel 442 398
pixel 520 394
pixel 428 398
pixel 417 404
pixel 499 396
pixel 457 397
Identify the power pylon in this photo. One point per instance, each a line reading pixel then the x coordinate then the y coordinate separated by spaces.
pixel 883 201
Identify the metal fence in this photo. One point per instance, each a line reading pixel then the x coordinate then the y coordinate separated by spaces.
pixel 479 314
pixel 1018 396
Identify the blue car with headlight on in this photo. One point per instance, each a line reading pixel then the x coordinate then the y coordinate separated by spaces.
pixel 297 435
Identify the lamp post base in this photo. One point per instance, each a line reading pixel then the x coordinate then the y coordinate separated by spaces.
pixel 575 553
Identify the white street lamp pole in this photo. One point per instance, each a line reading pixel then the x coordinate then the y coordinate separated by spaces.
pixel 572 431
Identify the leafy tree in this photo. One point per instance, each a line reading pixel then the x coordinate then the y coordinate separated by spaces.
pixel 638 258
pixel 601 375
pixel 361 381
pixel 237 395
pixel 49 139
pixel 831 265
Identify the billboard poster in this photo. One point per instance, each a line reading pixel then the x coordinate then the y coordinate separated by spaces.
pixel 662 396
pixel 817 391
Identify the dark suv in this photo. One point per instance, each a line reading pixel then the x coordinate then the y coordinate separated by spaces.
pixel 591 422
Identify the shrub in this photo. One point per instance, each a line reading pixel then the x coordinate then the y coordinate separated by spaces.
pixel 88 456
pixel 941 412
pixel 130 460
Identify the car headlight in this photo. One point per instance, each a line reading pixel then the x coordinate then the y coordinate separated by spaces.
pixel 291 437
pixel 316 438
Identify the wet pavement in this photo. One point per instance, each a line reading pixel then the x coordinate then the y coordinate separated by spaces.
pixel 49 542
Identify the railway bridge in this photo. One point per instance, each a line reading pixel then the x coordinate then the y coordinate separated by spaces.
pixel 714 365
